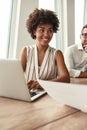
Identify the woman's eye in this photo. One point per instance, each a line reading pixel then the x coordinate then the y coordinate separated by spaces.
pixel 48 31
pixel 51 31
pixel 41 30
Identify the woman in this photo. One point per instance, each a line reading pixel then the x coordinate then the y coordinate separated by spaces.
pixel 41 61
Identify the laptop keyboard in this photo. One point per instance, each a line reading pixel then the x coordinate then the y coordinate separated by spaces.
pixel 34 92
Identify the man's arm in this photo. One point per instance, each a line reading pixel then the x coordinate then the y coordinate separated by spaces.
pixel 69 61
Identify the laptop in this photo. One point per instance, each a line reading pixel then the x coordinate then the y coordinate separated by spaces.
pixel 13 82
pixel 74 95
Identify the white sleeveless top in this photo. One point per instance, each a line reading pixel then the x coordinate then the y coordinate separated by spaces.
pixel 47 70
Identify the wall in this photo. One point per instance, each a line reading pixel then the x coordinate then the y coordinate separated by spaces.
pixel 19 34
pixel 23 37
pixel 68 23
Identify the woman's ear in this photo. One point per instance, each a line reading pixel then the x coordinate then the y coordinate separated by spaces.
pixel 34 32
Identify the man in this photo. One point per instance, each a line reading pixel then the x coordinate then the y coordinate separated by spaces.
pixel 76 56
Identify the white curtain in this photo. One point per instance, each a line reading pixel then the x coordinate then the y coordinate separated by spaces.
pixel 5 21
pixel 85 12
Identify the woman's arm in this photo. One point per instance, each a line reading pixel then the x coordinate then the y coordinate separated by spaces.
pixel 23 58
pixel 62 69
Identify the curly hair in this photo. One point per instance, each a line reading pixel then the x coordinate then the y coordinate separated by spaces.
pixel 85 26
pixel 39 17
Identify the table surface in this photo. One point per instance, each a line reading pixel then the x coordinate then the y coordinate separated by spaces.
pixel 43 114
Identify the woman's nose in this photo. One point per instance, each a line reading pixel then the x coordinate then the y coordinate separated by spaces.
pixel 46 33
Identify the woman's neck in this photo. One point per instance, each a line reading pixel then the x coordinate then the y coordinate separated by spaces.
pixel 41 48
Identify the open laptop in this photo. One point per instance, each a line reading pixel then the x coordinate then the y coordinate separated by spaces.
pixel 13 83
pixel 74 95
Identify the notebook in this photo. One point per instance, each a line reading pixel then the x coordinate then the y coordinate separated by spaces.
pixel 13 82
pixel 74 95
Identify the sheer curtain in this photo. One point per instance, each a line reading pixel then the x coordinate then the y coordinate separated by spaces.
pixel 5 21
pixel 85 12
pixel 79 16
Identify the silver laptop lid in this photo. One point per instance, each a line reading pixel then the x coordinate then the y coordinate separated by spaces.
pixel 12 80
pixel 13 83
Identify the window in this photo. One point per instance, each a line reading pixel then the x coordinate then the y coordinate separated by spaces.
pixel 5 15
pixel 79 15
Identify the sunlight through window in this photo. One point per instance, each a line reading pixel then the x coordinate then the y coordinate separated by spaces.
pixel 5 17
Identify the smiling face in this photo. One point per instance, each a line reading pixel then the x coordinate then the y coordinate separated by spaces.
pixel 44 34
pixel 83 38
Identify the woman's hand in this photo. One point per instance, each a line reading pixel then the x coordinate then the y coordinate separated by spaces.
pixel 32 84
